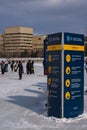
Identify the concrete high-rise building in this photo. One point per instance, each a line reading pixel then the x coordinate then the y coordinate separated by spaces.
pixel 1 45
pixel 38 44
pixel 18 41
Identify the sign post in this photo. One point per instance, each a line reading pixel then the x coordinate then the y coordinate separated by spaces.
pixel 65 81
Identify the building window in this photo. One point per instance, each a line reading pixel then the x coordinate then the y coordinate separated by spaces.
pixel 39 38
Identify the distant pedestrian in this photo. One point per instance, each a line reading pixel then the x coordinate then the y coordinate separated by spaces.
pixel 32 67
pixel 15 67
pixel 2 67
pixel 28 67
pixel 12 65
pixel 20 69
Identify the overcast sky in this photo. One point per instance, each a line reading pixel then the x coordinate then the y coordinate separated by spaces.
pixel 44 16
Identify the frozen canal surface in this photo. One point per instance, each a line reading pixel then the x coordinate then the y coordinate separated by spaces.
pixel 22 104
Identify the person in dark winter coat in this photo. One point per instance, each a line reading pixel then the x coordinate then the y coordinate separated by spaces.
pixel 12 65
pixel 2 67
pixel 28 67
pixel 20 69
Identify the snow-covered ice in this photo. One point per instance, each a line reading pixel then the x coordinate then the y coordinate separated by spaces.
pixel 22 104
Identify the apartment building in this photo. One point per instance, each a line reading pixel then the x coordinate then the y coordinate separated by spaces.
pixel 1 45
pixel 18 41
pixel 38 44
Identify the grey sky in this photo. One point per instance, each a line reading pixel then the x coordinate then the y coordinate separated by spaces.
pixel 44 16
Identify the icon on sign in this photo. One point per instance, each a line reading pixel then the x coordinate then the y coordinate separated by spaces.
pixel 67 70
pixel 49 58
pixel 49 81
pixel 68 38
pixel 49 69
pixel 67 83
pixel 68 58
pixel 67 95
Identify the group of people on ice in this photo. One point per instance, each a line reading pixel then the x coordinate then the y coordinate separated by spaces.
pixel 18 65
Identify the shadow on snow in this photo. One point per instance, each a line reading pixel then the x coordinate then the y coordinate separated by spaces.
pixel 34 103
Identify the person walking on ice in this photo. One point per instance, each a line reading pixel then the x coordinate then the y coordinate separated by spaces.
pixel 20 69
pixel 2 67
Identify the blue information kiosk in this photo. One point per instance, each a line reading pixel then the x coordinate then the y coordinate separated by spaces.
pixel 65 80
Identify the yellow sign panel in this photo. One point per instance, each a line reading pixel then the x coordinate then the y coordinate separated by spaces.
pixel 74 47
pixel 54 47
pixel 66 47
pixel 67 95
